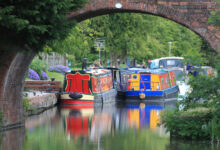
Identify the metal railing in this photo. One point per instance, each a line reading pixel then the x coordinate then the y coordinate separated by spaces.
pixel 153 85
pixel 76 85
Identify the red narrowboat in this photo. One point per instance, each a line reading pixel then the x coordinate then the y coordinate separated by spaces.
pixel 88 87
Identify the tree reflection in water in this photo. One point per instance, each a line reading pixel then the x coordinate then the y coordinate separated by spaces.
pixel 130 126
pixel 106 128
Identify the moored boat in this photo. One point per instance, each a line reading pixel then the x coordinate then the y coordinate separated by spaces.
pixel 175 64
pixel 88 87
pixel 158 84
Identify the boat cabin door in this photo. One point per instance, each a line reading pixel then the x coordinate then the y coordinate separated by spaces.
pixel 145 81
pixel 135 82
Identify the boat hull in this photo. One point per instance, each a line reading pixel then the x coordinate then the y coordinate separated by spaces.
pixel 77 102
pixel 165 95
pixel 76 106
pixel 98 99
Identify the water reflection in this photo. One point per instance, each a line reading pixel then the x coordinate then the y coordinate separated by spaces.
pixel 85 123
pixel 77 122
pixel 140 116
pixel 118 127
pixel 12 139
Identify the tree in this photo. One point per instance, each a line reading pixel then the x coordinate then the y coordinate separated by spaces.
pixel 78 44
pixel 34 23
pixel 214 19
pixel 144 36
pixel 131 35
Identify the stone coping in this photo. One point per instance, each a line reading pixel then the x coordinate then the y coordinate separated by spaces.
pixel 40 101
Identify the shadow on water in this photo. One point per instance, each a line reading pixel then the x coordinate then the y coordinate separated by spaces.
pixel 117 126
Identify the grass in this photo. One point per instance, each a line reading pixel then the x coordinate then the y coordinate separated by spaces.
pixel 57 76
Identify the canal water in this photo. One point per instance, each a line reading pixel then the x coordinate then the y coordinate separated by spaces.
pixel 117 126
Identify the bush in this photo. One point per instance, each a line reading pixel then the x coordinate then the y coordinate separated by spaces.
pixel 33 75
pixel 191 125
pixel 44 76
pixel 200 117
pixel 26 103
pixel 39 66
pixel 59 68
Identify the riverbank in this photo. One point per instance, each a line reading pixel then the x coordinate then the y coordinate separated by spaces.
pixel 192 124
pixel 37 102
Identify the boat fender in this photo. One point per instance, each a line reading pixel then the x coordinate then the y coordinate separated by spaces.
pixel 75 95
pixel 142 96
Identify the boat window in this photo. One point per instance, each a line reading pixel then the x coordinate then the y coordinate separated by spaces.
pixel 171 62
pixel 134 76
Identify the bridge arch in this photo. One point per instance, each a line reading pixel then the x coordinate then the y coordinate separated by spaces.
pixel 190 13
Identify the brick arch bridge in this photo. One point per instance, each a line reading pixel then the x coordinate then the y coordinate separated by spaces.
pixel 190 13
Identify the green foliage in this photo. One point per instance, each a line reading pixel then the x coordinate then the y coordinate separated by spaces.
pixel 45 138
pixel 79 43
pixel 190 125
pixel 130 35
pixel 200 117
pixel 36 23
pixel 25 103
pixel 214 19
pixel 38 65
pixel 205 89
pixel 143 139
pixel 191 145
pixel 195 58
pixel 208 54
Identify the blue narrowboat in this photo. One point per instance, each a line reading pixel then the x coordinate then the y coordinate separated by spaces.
pixel 151 84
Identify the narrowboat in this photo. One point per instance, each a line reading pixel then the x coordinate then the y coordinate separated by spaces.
pixel 88 87
pixel 120 77
pixel 175 64
pixel 151 84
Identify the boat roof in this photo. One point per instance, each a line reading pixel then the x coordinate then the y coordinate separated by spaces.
pixel 159 71
pixel 162 58
pixel 98 71
pixel 150 71
pixel 93 71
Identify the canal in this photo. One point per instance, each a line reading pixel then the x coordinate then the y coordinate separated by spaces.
pixel 117 126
